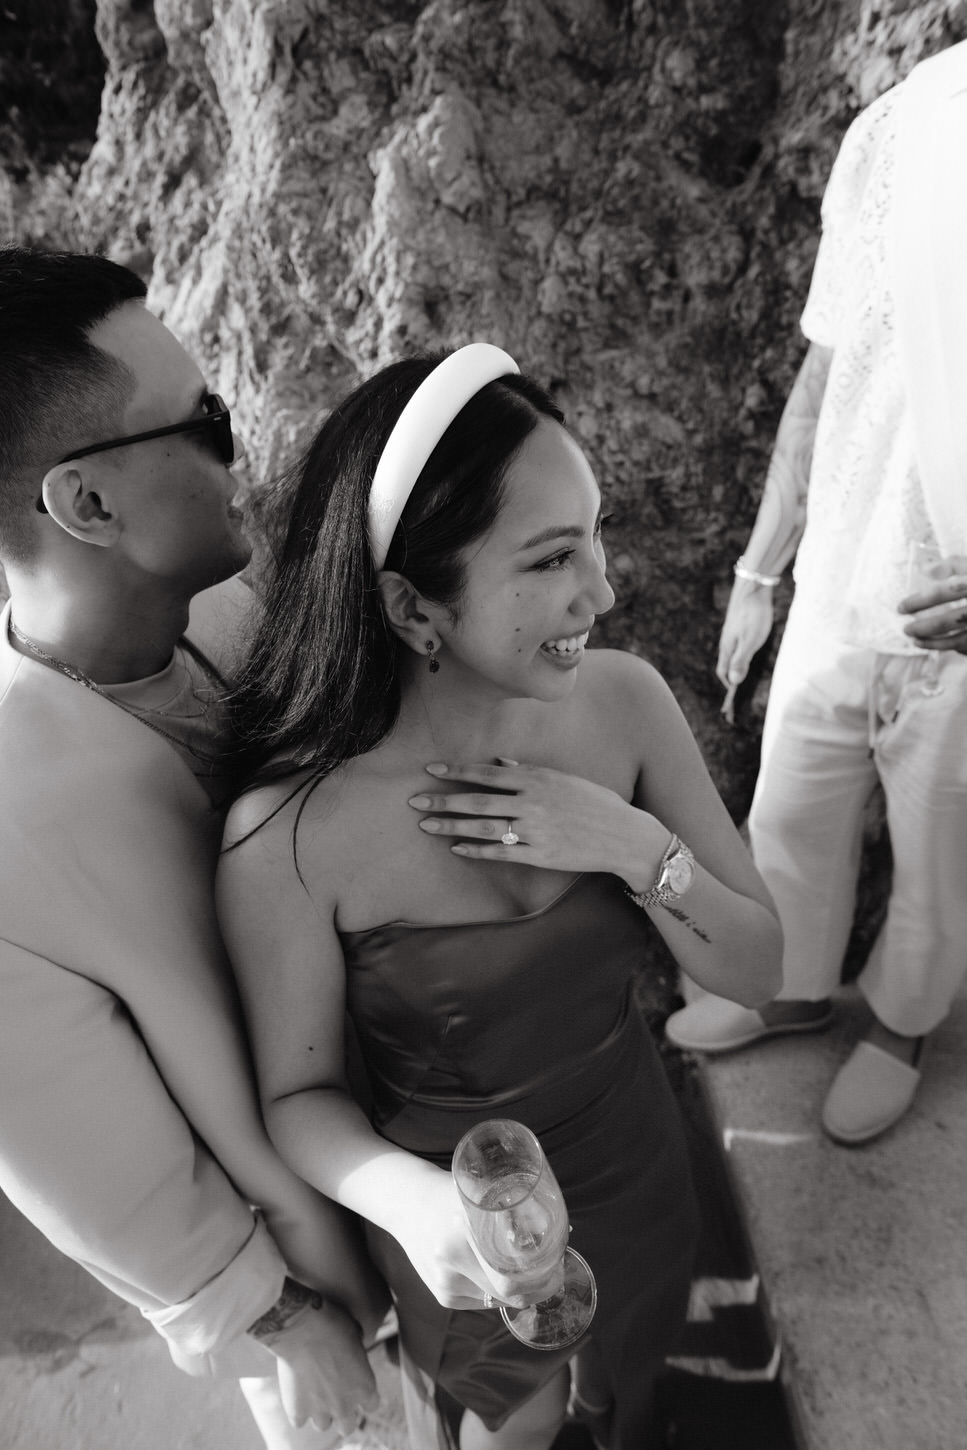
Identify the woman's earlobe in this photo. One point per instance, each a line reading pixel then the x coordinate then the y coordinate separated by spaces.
pixel 409 616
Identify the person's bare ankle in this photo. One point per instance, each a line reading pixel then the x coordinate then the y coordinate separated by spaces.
pixel 906 1049
pixel 776 1014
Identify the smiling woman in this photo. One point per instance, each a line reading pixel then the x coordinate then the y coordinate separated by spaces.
pixel 460 823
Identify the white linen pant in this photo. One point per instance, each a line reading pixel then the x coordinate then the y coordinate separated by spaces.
pixel 838 718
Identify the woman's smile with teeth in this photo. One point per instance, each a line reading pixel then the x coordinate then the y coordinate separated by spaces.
pixel 567 646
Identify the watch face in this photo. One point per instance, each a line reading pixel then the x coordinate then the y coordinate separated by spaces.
pixel 679 873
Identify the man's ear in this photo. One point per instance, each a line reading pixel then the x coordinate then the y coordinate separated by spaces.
pixel 73 501
pixel 410 617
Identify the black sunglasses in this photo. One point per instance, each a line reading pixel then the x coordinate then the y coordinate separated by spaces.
pixel 217 417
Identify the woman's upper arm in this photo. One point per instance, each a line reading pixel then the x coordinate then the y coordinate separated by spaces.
pixel 288 962
pixel 675 786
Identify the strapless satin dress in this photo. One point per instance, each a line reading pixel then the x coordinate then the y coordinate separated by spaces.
pixel 533 1018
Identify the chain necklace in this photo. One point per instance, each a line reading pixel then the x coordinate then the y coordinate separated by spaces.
pixel 63 668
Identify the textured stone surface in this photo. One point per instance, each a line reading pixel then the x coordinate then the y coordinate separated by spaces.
pixel 862 1251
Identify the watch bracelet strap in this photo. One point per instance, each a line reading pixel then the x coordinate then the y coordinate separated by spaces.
pixel 656 894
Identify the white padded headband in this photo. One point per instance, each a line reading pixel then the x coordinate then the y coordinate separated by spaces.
pixel 419 428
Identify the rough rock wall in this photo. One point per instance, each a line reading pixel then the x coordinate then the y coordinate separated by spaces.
pixel 624 193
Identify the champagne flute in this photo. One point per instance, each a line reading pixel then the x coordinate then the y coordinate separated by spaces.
pixel 922 561
pixel 517 1219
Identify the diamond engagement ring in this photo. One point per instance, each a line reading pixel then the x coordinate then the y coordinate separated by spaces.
pixel 510 836
pixel 489 1301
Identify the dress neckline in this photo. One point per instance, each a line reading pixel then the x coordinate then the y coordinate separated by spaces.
pixel 483 921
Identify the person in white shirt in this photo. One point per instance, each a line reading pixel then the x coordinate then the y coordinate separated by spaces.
pixel 866 488
pixel 130 1134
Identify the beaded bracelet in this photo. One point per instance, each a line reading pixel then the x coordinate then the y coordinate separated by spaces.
pixel 752 576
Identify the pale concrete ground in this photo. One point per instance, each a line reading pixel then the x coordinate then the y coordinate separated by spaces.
pixel 863 1251
pixel 80 1370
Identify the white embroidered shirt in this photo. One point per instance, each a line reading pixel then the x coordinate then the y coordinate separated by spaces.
pixel 865 505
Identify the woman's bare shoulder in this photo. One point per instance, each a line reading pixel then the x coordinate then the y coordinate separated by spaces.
pixel 269 810
pixel 626 701
pixel 617 679
pixel 259 808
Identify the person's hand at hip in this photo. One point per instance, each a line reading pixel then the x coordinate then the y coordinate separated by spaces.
pixel 938 612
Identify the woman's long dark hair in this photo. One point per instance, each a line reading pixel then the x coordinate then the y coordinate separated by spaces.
pixel 322 682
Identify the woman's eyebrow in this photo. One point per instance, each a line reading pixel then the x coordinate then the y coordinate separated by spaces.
pixel 557 531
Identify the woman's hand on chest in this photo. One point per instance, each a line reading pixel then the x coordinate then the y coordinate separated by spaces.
pixel 537 816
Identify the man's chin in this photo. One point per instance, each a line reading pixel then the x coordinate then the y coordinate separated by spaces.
pixel 223 569
pixel 239 556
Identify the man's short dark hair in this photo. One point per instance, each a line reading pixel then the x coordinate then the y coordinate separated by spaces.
pixel 57 390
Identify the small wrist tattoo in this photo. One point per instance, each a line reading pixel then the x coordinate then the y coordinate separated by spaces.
pixel 685 920
pixel 291 1301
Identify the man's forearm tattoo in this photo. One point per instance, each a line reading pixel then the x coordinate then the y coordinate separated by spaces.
pixel 291 1301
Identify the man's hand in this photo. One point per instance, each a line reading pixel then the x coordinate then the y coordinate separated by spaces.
pixel 939 611
pixel 324 1375
pixel 748 621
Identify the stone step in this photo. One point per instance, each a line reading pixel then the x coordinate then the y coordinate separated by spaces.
pixel 862 1251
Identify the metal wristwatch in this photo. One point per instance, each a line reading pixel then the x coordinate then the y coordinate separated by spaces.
pixel 675 875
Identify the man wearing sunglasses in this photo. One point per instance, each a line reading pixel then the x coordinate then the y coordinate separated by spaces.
pixel 215 421
pixel 127 1113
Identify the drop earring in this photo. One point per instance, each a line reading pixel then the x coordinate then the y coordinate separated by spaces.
pixel 433 662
